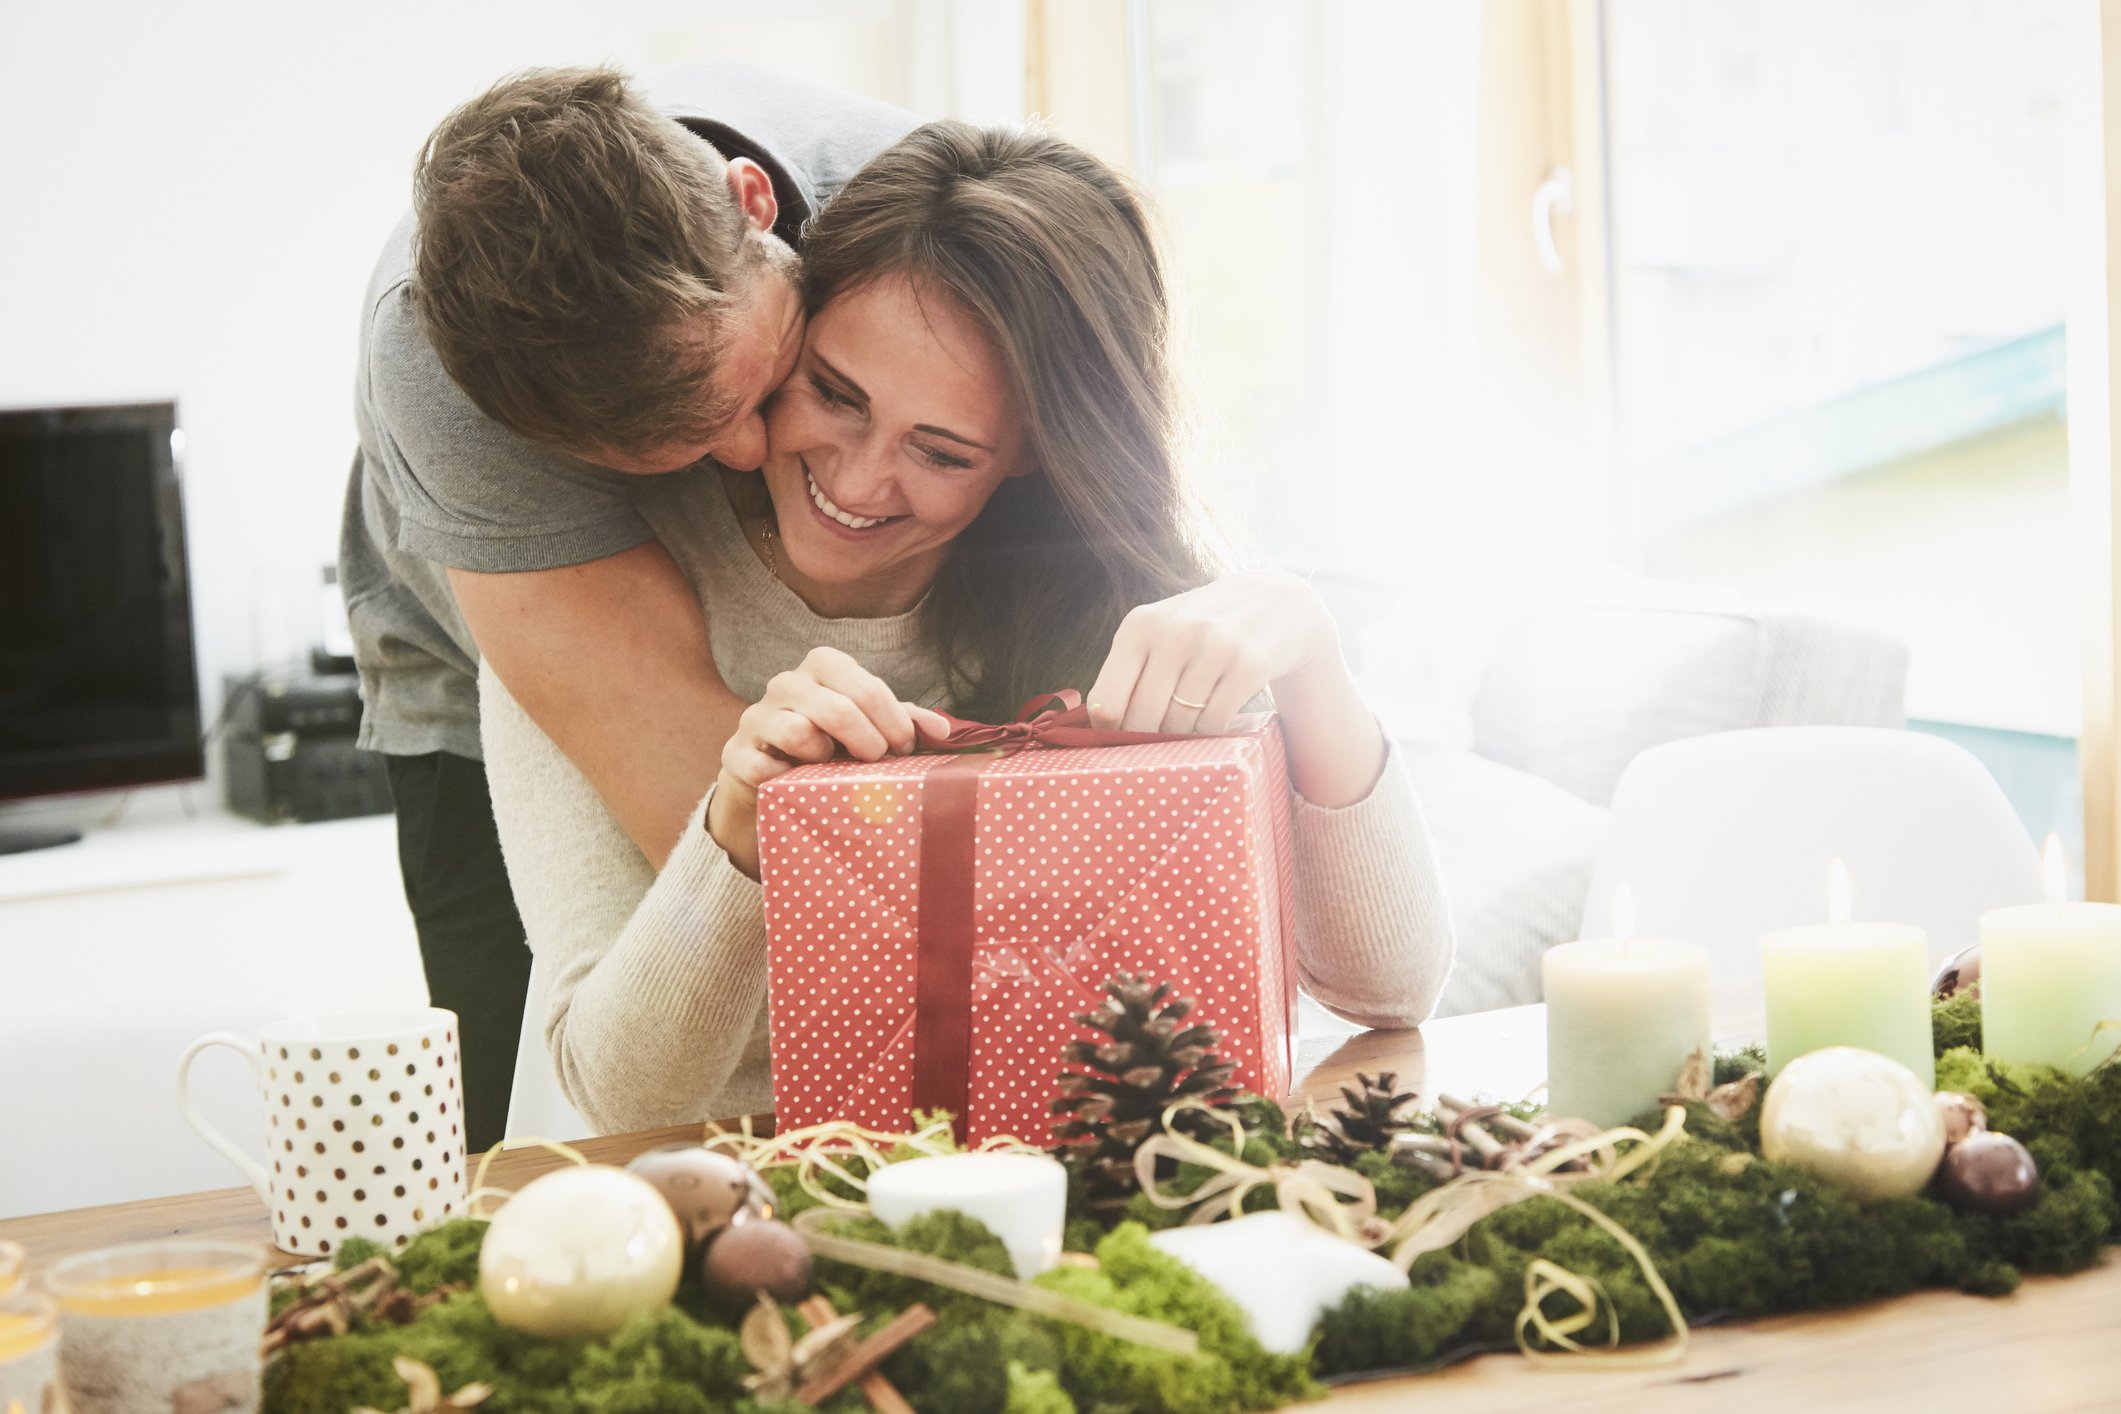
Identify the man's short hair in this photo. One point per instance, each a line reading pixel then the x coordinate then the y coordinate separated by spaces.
pixel 567 237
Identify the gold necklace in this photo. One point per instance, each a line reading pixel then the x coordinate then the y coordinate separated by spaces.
pixel 772 561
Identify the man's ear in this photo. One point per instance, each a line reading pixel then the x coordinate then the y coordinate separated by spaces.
pixel 753 191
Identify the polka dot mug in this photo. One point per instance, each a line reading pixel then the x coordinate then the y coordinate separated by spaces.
pixel 364 1130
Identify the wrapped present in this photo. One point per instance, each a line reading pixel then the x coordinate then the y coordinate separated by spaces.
pixel 935 922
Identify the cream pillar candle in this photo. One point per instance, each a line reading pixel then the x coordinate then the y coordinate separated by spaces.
pixel 1021 1198
pixel 1848 984
pixel 1623 1015
pixel 2050 973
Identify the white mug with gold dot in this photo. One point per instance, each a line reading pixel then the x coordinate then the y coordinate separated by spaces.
pixel 364 1124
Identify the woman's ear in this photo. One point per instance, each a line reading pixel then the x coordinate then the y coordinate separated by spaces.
pixel 753 191
pixel 1022 468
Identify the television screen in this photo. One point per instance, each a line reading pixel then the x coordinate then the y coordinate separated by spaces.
pixel 98 687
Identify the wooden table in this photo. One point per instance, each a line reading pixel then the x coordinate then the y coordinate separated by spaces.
pixel 2051 1346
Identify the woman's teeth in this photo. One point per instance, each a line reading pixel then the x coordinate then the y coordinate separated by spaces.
pixel 852 522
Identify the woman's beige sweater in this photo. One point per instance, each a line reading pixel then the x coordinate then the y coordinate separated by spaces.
pixel 655 983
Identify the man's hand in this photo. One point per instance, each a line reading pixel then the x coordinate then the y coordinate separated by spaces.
pixel 611 658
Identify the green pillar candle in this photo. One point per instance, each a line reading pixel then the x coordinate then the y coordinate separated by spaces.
pixel 2050 973
pixel 1849 984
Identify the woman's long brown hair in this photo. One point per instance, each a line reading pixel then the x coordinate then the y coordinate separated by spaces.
pixel 1050 251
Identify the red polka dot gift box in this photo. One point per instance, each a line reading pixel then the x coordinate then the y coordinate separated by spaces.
pixel 936 922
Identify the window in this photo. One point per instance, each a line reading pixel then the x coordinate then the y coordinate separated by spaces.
pixel 1838 238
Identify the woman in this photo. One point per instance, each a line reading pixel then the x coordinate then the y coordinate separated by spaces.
pixel 972 496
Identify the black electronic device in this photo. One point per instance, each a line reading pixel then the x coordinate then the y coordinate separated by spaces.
pixel 98 687
pixel 288 744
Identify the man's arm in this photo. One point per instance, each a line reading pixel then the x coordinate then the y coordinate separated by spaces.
pixel 611 659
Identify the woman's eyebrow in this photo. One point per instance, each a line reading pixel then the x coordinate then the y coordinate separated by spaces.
pixel 855 390
pixel 838 377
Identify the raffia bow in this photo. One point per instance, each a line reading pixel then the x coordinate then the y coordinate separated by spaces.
pixel 1343 1202
pixel 1337 1199
pixel 1444 1214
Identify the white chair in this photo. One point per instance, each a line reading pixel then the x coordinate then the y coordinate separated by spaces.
pixel 1515 771
pixel 1722 838
pixel 88 1108
pixel 536 1105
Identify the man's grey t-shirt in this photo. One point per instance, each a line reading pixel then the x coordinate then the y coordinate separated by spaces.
pixel 437 483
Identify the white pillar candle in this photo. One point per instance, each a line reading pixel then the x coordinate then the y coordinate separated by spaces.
pixel 2050 973
pixel 1623 1015
pixel 1020 1198
pixel 1848 984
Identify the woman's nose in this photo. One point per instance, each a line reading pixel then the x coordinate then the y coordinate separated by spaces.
pixel 862 482
pixel 742 444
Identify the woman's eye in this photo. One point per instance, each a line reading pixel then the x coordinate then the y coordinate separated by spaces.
pixel 829 395
pixel 943 459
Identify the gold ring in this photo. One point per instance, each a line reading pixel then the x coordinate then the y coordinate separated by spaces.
pixel 1196 706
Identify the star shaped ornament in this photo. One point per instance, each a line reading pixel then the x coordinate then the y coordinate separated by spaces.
pixel 1282 1270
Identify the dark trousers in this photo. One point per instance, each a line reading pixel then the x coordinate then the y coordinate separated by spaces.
pixel 471 939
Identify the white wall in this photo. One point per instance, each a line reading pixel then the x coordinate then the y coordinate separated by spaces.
pixel 192 195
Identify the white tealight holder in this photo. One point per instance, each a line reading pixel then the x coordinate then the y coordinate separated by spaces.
pixel 1020 1198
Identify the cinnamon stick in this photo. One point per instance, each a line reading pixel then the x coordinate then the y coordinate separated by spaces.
pixel 861 1362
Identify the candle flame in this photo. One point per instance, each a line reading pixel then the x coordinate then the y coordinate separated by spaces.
pixel 1623 912
pixel 2054 872
pixel 1840 893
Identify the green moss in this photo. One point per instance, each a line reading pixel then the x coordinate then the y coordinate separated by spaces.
pixel 790 1197
pixel 664 1362
pixel 1081 1234
pixel 962 1363
pixel 2070 1120
pixel 1731 1233
pixel 1956 1023
pixel 442 1256
pixel 1736 1065
pixel 1396 1184
pixel 1386 1330
pixel 1035 1392
pixel 2065 1230
pixel 1231 1372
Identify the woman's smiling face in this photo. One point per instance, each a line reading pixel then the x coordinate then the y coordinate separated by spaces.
pixel 895 428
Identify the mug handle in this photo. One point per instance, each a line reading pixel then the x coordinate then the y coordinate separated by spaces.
pixel 247 1047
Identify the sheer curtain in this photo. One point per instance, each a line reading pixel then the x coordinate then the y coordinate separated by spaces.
pixel 1459 460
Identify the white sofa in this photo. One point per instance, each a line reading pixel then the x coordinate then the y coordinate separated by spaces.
pixel 1516 797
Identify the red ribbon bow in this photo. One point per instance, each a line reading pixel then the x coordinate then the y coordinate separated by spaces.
pixel 1050 719
pixel 942 1015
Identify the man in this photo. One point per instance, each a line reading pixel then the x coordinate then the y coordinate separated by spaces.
pixel 596 283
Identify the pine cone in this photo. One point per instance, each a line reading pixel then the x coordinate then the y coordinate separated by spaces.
pixel 1118 1098
pixel 1365 1121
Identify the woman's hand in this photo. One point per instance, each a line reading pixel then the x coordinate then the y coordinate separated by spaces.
pixel 1190 663
pixel 807 715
